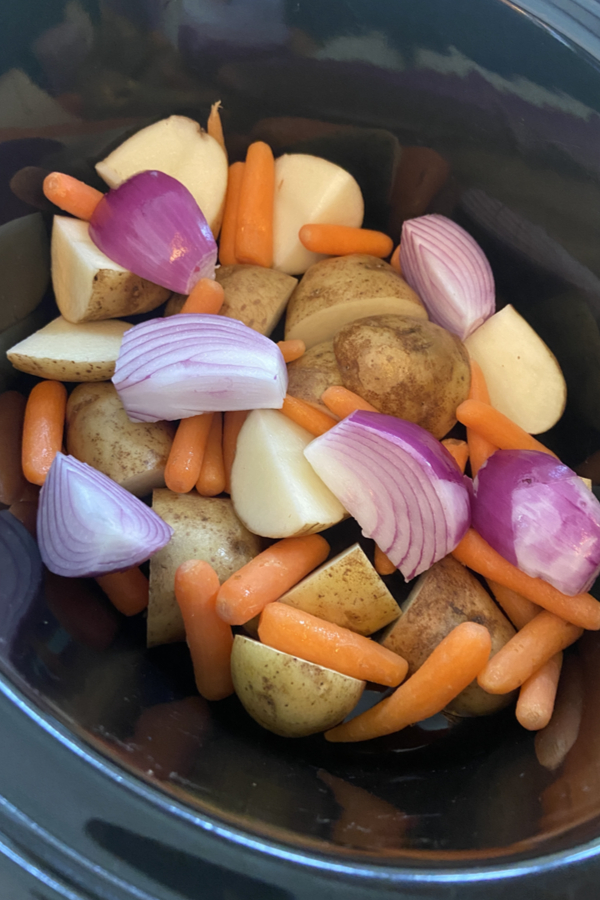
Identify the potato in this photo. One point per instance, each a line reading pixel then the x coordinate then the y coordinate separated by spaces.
pixel 340 290
pixel 254 295
pixel 287 695
pixel 313 373
pixel 204 528
pixel 441 599
pixel 405 367
pixel 89 286
pixel 348 591
pixel 100 433
pixel 67 352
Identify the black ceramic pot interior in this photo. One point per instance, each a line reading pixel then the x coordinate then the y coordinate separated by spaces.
pixel 515 114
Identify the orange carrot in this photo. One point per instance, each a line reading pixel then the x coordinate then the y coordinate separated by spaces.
pixel 207 296
pixel 554 741
pixel 212 474
pixel 395 261
pixel 254 237
pixel 43 429
pixel 526 652
pixel 342 240
pixel 232 425
pixel 72 195
pixel 519 609
pixel 497 428
pixel 480 448
pixel 214 125
pixel 477 554
pixel 537 695
pixel 128 590
pixel 300 634
pixel 12 414
pixel 268 576
pixel 187 452
pixel 383 565
pixel 459 451
pixel 342 402
pixel 209 638
pixel 291 350
pixel 229 227
pixel 309 417
pixel 452 666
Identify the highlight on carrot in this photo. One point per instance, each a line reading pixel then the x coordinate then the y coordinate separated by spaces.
pixel 480 448
pixel 301 634
pixel 309 417
pixel 214 126
pixel 554 741
pixel 538 694
pixel 187 452
pixel 209 638
pixel 211 480
pixel 395 261
pixel 459 451
pixel 127 591
pixel 71 195
pixel 497 428
pixel 342 240
pixel 447 671
pixel 229 226
pixel 519 609
pixel 581 609
pixel 268 576
pixel 526 652
pixel 207 296
pixel 343 402
pixel 383 565
pixel 43 428
pixel 291 350
pixel 254 236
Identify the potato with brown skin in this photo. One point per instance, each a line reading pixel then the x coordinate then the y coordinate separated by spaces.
pixel 441 599
pixel 405 367
pixel 313 373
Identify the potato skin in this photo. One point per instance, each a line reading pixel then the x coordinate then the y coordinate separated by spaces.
pixel 405 367
pixel 313 373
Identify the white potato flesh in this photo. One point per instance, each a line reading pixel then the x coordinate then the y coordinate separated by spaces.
pixel 309 190
pixel 179 147
pixel 522 374
pixel 274 489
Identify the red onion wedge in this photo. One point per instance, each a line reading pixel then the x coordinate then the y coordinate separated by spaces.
pixel 400 484
pixel 152 226
pixel 88 525
pixel 183 365
pixel 450 273
pixel 538 514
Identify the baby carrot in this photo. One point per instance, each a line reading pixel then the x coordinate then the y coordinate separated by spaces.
pixel 254 236
pixel 526 652
pixel 537 695
pixel 519 609
pixel 291 350
pixel 232 425
pixel 459 451
pixel 187 452
pixel 477 554
pixel 72 195
pixel 341 240
pixel 209 638
pixel 207 296
pixel 383 565
pixel 128 590
pixel 12 414
pixel 268 576
pixel 395 260
pixel 342 402
pixel 212 474
pixel 480 448
pixel 309 417
pixel 449 669
pixel 554 741
pixel 497 428
pixel 214 125
pixel 300 634
pixel 230 215
pixel 43 429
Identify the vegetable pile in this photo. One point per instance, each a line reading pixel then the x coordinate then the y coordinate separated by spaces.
pixel 390 384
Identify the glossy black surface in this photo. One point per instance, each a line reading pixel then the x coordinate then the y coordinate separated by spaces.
pixel 116 778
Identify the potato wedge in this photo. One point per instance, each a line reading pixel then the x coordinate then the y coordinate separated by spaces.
pixel 67 352
pixel 313 373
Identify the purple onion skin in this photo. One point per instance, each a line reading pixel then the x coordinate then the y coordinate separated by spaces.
pixel 152 226
pixel 538 514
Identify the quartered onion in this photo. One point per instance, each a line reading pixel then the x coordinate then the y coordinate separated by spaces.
pixel 183 365
pixel 400 484
pixel 152 226
pixel 450 273
pixel 88 525
pixel 538 514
